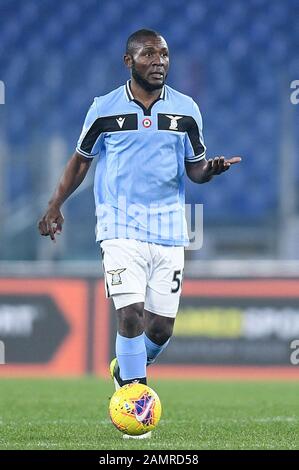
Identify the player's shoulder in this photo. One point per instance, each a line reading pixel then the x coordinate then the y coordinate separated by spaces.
pixel 181 99
pixel 178 95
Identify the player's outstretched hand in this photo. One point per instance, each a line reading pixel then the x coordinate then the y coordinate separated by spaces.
pixel 51 223
pixel 217 165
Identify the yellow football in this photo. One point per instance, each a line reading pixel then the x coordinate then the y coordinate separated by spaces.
pixel 135 409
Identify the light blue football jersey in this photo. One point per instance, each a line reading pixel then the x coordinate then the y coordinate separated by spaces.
pixel 139 179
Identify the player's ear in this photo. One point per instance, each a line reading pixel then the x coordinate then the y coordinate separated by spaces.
pixel 128 60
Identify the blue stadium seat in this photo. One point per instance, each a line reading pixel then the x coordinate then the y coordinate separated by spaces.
pixel 57 56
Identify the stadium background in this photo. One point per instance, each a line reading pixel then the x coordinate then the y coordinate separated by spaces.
pixel 239 310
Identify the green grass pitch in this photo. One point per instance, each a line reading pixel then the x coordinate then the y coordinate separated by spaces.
pixel 73 414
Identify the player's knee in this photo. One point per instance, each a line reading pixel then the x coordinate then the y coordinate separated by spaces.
pixel 130 320
pixel 160 337
pixel 160 332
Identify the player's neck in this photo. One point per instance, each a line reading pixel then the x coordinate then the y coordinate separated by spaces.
pixel 144 96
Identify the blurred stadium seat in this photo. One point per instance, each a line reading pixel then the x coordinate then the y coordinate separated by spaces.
pixel 232 58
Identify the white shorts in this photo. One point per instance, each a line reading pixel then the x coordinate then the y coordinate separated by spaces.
pixel 137 271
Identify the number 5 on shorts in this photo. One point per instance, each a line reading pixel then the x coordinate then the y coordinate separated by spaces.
pixel 177 281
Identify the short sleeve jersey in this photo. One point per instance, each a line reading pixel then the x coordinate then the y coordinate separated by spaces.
pixel 139 179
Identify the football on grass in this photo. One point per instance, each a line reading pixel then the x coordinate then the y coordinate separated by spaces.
pixel 135 409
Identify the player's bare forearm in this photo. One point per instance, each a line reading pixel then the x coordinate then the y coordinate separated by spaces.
pixel 204 170
pixel 73 175
pixel 197 172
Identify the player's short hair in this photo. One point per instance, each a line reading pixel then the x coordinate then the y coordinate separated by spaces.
pixel 135 37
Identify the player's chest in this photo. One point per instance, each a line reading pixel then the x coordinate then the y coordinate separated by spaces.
pixel 139 122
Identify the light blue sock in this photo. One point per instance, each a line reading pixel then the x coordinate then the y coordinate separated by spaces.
pixel 131 357
pixel 153 350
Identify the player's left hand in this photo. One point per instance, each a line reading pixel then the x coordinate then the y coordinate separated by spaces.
pixel 217 165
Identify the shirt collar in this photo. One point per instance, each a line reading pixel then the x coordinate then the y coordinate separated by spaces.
pixel 130 97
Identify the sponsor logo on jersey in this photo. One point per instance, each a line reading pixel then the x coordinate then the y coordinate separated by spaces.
pixel 120 121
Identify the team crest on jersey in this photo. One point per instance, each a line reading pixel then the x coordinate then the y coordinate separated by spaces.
pixel 116 279
pixel 147 122
pixel 173 121
pixel 120 121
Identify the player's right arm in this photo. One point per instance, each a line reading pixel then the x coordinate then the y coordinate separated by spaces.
pixel 73 175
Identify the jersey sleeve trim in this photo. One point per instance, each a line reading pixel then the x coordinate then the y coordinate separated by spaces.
pixel 195 137
pixel 87 155
pixel 87 143
pixel 196 158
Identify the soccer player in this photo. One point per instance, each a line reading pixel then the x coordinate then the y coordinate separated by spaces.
pixel 146 135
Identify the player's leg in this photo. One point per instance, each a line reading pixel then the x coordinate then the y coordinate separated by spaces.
pixel 130 346
pixel 162 298
pixel 126 276
pixel 157 333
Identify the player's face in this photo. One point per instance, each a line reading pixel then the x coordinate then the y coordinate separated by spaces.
pixel 150 63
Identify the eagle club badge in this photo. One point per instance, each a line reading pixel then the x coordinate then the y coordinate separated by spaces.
pixel 116 279
pixel 173 122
